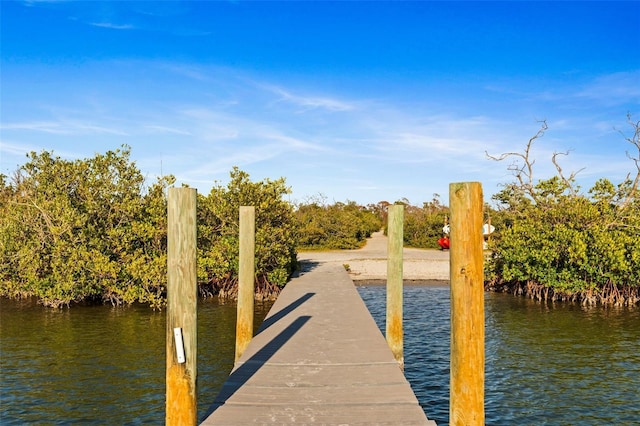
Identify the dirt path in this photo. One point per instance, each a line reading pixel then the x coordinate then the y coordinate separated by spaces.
pixel 370 262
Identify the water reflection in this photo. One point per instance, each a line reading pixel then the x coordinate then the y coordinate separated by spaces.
pixel 102 365
pixel 563 363
pixel 559 364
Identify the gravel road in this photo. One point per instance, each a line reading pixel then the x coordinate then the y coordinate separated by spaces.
pixel 370 262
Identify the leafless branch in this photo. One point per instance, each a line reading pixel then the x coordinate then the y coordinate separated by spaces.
pixel 523 172
pixel 568 181
pixel 635 141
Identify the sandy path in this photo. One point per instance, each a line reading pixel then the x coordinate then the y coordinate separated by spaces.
pixel 370 262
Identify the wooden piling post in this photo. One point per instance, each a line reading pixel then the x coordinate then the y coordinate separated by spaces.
pixel 246 279
pixel 182 299
pixel 395 334
pixel 466 404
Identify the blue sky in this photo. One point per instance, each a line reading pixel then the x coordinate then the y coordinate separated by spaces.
pixel 361 101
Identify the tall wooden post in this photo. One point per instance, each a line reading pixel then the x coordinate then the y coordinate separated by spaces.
pixel 466 404
pixel 395 240
pixel 246 279
pixel 182 299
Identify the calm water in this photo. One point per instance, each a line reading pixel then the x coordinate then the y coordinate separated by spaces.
pixel 102 365
pixel 546 364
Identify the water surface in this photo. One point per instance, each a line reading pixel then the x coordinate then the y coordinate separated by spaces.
pixel 100 364
pixel 549 364
pixel 546 364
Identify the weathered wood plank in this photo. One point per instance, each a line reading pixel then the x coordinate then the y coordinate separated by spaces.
pixel 320 358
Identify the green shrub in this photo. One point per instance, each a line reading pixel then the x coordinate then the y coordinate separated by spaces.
pixel 576 244
pixel 90 230
pixel 218 231
pixel 83 230
pixel 336 226
pixel 423 225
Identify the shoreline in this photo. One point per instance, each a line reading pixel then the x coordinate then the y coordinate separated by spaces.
pixel 407 283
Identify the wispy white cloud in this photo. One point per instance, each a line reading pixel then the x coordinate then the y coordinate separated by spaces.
pixel 13 153
pixel 211 125
pixel 209 119
pixel 35 2
pixel 13 148
pixel 164 129
pixel 612 89
pixel 189 71
pixel 112 26
pixel 63 127
pixel 228 158
pixel 616 88
pixel 295 144
pixel 307 101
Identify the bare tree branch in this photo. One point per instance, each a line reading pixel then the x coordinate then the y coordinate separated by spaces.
pixel 635 141
pixel 524 172
pixel 568 181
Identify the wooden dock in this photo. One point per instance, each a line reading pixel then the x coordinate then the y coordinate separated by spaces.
pixel 320 358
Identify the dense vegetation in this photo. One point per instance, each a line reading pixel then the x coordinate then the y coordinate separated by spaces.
pixel 556 243
pixel 336 226
pixel 218 232
pixel 90 230
pixel 423 225
pixel 82 230
pixel 347 226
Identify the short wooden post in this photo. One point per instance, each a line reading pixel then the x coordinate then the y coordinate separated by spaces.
pixel 182 299
pixel 466 404
pixel 246 279
pixel 395 240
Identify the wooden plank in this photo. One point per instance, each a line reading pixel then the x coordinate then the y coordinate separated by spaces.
pixel 320 358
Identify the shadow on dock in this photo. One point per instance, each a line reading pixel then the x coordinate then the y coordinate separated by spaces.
pixel 246 369
pixel 269 321
pixel 305 266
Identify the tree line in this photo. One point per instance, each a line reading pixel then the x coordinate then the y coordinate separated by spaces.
pixel 93 230
pixel 556 242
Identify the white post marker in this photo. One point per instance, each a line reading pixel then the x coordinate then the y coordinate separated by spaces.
pixel 177 332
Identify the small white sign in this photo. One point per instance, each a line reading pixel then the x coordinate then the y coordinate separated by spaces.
pixel 177 332
pixel 487 229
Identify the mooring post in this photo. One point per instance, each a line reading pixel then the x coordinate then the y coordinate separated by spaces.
pixel 246 279
pixel 395 240
pixel 182 299
pixel 466 403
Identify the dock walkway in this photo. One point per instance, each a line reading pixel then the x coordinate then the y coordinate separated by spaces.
pixel 318 358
